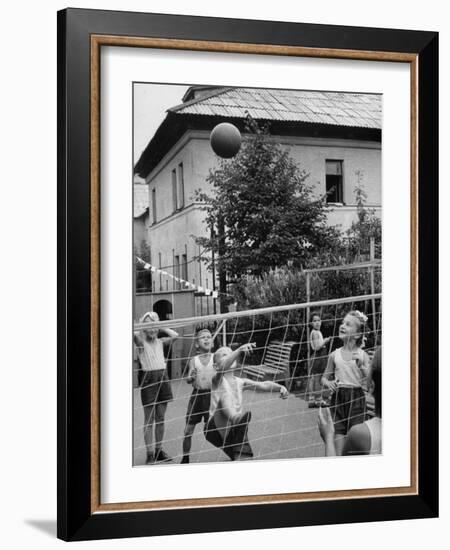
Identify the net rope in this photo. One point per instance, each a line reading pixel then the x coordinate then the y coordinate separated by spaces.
pixel 279 428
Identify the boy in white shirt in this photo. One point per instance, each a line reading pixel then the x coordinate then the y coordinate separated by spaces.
pixel 227 427
pixel 156 391
pixel 200 374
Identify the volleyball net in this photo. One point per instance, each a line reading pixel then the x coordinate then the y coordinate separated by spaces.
pixel 282 353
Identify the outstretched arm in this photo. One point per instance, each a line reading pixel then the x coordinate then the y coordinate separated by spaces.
pixel 228 360
pixel 265 386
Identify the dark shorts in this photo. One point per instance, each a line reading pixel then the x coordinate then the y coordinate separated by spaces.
pixel 236 444
pixel 155 388
pixel 319 362
pixel 198 406
pixel 347 407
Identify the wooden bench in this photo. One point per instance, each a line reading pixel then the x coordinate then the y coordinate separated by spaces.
pixel 275 364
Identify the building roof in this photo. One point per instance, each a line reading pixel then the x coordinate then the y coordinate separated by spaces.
pixel 289 113
pixel 140 203
pixel 335 108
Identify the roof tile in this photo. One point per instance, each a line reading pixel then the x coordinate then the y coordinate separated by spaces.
pixel 334 108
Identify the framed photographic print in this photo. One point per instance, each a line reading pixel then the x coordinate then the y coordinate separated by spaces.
pixel 247 274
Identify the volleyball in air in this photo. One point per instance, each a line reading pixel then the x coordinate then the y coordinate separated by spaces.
pixel 225 140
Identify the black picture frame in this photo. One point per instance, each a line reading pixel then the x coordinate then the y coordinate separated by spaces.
pixel 77 520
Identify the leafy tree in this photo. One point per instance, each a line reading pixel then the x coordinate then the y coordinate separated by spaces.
pixel 262 213
pixel 367 226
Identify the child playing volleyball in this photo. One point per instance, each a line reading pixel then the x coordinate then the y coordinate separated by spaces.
pixel 364 438
pixel 200 375
pixel 227 427
pixel 156 391
pixel 318 361
pixel 345 374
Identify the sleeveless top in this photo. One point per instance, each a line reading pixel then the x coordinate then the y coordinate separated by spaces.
pixel 231 389
pixel 151 355
pixel 374 427
pixel 205 373
pixel 348 373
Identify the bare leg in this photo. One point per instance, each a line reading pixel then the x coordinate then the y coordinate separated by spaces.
pixel 149 418
pixel 339 441
pixel 312 388
pixel 317 387
pixel 187 441
pixel 160 412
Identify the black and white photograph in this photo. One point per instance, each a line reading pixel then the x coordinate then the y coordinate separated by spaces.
pixel 222 221
pixel 257 262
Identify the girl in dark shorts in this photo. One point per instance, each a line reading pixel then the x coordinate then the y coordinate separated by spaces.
pixel 156 391
pixel 345 376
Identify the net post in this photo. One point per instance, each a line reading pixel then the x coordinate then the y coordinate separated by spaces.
pixel 308 313
pixel 308 336
pixel 372 284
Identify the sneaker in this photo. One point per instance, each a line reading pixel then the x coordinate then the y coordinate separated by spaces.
pixel 150 458
pixel 161 456
pixel 185 459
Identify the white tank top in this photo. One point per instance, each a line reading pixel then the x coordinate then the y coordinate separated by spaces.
pixel 205 373
pixel 151 355
pixel 348 373
pixel 374 427
pixel 233 391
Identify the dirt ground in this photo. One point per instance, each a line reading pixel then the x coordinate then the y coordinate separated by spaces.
pixel 280 428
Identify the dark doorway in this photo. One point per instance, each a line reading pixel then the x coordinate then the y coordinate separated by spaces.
pixel 164 309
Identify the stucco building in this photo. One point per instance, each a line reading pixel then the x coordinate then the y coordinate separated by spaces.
pixel 335 137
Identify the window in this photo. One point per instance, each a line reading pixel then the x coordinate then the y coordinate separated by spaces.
pixel 334 183
pixel 174 191
pixel 180 186
pixel 184 267
pixel 154 205
pixel 176 268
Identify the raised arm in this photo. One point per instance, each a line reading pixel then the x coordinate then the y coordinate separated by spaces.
pixel 228 360
pixel 170 335
pixel 317 341
pixel 137 339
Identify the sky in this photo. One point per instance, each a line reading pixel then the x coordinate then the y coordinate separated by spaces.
pixel 150 104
